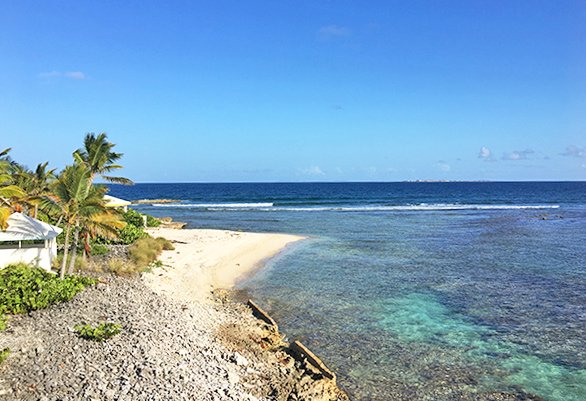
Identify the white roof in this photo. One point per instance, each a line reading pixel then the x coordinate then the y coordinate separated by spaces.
pixel 22 227
pixel 112 201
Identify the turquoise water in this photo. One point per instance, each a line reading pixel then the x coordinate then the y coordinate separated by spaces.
pixel 416 291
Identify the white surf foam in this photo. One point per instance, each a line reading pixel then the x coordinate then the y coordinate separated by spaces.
pixel 215 205
pixel 423 207
pixel 269 207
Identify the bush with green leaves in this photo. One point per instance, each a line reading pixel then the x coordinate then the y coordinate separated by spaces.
pixel 152 221
pixel 101 332
pixel 130 234
pixel 24 288
pixel 99 249
pixel 133 217
pixel 2 319
pixel 134 229
pixel 4 354
pixel 137 219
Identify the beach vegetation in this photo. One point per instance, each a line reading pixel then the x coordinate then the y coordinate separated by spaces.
pixel 146 250
pixel 83 211
pixel 133 217
pixel 24 288
pixel 69 198
pixel 4 354
pixel 130 234
pixel 99 249
pixel 122 267
pixel 152 221
pixel 137 219
pixel 101 332
pixel 79 262
pixel 2 319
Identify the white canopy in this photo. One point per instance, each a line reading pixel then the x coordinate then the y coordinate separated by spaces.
pixel 112 201
pixel 22 228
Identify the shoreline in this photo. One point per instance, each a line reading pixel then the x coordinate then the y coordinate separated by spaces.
pixel 205 260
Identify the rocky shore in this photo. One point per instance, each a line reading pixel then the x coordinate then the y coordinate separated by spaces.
pixel 167 350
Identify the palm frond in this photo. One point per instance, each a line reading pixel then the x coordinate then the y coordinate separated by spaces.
pixel 118 180
pixel 4 215
pixel 11 191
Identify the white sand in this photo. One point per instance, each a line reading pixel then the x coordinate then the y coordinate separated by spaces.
pixel 204 260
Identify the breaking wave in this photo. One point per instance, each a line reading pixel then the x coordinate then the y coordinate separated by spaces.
pixel 270 207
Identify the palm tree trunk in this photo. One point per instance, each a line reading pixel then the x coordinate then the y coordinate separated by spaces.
pixel 74 249
pixel 87 254
pixel 65 251
pixel 36 211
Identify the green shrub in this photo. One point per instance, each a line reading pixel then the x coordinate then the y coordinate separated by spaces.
pixel 101 332
pixel 134 229
pixel 24 288
pixel 2 319
pixel 130 234
pixel 99 249
pixel 152 221
pixel 136 219
pixel 133 217
pixel 4 354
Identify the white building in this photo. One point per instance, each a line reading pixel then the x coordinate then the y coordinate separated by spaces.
pixel 113 202
pixel 28 240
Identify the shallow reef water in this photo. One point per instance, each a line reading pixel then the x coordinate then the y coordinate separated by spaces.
pixel 418 291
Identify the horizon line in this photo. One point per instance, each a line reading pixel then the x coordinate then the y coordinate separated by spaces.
pixel 351 182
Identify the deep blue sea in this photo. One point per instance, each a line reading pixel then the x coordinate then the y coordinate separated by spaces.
pixel 417 291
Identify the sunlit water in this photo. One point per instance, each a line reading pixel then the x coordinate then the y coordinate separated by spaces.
pixel 418 291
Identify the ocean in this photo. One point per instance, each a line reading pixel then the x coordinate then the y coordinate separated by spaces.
pixel 417 291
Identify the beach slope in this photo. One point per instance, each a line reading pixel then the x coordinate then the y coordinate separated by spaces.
pixel 204 260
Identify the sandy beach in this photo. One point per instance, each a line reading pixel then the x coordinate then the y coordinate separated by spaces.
pixel 204 260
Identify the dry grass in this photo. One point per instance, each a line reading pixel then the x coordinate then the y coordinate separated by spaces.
pixel 146 250
pixel 124 268
pixel 81 264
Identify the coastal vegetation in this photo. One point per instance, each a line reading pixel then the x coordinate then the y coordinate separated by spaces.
pixel 24 288
pixel 101 332
pixel 72 199
pixel 146 250
pixel 4 354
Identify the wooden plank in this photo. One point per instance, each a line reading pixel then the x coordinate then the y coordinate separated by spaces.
pixel 301 351
pixel 262 315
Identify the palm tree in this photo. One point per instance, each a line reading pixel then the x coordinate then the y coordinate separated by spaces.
pixel 9 192
pixel 82 206
pixel 35 183
pixel 98 157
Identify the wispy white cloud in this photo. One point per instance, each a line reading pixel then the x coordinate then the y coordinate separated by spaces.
pixel 333 31
pixel 443 166
pixel 313 170
pixel 518 154
pixel 485 154
pixel 575 151
pixel 75 75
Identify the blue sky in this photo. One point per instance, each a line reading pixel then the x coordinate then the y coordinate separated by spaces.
pixel 222 91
